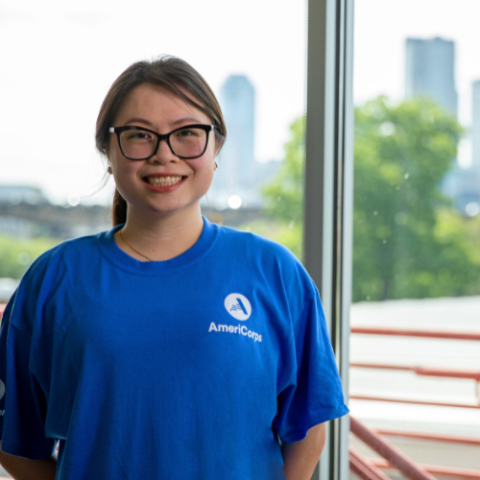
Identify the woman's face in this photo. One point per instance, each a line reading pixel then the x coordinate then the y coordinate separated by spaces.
pixel 164 183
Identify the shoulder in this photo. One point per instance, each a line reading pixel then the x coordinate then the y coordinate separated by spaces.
pixel 50 277
pixel 70 252
pixel 255 244
pixel 256 251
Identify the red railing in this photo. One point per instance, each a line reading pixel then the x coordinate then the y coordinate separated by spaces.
pixel 406 332
pixel 430 372
pixel 371 468
pixel 365 467
pixel 389 452
pixel 458 472
pixel 436 437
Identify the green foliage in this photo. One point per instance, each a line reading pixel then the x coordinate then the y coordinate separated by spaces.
pixel 284 196
pixel 408 241
pixel 290 235
pixel 16 254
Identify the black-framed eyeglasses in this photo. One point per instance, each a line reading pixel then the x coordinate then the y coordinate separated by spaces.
pixel 138 143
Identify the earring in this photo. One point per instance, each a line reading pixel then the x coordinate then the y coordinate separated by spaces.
pixel 216 166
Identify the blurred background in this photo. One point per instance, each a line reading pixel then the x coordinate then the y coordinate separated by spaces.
pixel 416 246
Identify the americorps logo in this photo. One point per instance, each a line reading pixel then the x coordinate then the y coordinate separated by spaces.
pixel 238 306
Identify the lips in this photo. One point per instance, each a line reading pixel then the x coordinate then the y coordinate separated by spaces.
pixel 163 183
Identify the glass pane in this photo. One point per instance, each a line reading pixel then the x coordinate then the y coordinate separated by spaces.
pixel 60 59
pixel 259 182
pixel 415 343
pixel 66 56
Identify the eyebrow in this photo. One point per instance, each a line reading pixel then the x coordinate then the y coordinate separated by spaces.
pixel 175 123
pixel 139 120
pixel 186 119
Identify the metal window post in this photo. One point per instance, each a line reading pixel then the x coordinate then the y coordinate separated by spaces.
pixel 328 210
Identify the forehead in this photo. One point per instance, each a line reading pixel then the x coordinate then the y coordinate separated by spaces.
pixel 156 102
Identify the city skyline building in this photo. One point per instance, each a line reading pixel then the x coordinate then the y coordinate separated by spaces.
pixel 239 176
pixel 430 71
pixel 463 183
pixel 470 184
pixel 237 99
pixel 475 129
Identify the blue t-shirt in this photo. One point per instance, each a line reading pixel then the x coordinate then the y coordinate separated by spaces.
pixel 190 368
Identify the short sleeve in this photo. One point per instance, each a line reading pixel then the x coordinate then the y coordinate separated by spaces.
pixel 312 391
pixel 23 402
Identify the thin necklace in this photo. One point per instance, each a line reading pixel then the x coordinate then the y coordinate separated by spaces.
pixel 136 251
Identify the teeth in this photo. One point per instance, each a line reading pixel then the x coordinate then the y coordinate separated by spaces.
pixel 163 181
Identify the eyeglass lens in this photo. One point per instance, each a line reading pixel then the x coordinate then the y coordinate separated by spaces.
pixel 187 142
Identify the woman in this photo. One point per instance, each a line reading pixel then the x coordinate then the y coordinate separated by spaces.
pixel 168 347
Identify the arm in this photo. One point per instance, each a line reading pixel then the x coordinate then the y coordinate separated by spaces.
pixel 300 458
pixel 23 469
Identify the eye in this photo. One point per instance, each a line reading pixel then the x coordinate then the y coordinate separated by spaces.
pixel 188 132
pixel 138 135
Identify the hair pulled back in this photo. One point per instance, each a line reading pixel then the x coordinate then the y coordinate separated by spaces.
pixel 168 72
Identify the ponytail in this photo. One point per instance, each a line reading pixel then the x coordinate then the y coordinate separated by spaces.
pixel 119 209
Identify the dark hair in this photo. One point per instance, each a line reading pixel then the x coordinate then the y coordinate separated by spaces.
pixel 171 73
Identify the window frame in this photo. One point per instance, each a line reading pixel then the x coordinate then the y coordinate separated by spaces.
pixel 328 197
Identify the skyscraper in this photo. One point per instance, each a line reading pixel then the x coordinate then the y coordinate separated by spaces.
pixel 239 175
pixel 476 124
pixel 237 159
pixel 429 71
pixel 470 180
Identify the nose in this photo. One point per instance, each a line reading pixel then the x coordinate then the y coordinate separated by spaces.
pixel 164 154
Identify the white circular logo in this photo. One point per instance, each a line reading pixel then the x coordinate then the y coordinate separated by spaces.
pixel 2 389
pixel 238 306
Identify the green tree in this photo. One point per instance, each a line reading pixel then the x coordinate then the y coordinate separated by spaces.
pixel 284 196
pixel 16 255
pixel 408 240
pixel 402 152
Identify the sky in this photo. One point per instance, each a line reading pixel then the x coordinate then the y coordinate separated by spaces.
pixel 381 27
pixel 59 58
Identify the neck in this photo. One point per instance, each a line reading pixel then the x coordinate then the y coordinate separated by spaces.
pixel 160 236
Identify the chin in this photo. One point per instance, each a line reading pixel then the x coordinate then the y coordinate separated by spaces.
pixel 173 209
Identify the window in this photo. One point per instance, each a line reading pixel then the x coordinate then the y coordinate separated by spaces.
pixel 416 275
pixel 63 59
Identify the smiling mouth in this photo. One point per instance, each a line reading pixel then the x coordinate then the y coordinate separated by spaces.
pixel 163 181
